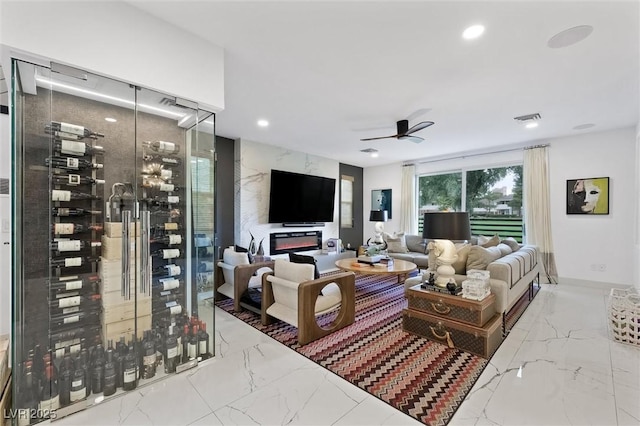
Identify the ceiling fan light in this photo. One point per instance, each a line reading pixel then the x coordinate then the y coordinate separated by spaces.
pixel 472 32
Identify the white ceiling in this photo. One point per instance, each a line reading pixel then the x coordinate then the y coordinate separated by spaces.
pixel 326 74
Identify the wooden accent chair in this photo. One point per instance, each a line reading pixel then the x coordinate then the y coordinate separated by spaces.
pixel 234 275
pixel 290 294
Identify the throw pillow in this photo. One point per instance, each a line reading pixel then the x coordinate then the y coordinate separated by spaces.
pixel 415 243
pixel 233 258
pixel 504 249
pixel 460 265
pixel 480 257
pixel 396 243
pixel 511 242
pixel 488 241
pixel 299 258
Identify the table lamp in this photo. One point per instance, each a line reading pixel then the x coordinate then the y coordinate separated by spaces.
pixel 442 227
pixel 379 217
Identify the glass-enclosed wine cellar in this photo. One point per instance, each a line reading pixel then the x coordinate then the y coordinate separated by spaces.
pixel 113 237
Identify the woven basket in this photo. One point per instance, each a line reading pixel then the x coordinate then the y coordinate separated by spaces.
pixel 624 315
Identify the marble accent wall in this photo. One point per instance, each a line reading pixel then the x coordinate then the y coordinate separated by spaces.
pixel 253 164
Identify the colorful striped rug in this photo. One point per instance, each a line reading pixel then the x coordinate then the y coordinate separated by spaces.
pixel 423 379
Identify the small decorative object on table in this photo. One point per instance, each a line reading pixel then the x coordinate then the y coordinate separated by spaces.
pixel 477 285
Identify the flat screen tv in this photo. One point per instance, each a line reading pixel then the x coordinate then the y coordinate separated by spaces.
pixel 298 198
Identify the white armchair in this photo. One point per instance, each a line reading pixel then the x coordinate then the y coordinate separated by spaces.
pixel 290 294
pixel 234 275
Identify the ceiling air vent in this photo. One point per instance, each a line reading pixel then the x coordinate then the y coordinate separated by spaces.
pixel 4 186
pixel 369 150
pixel 528 117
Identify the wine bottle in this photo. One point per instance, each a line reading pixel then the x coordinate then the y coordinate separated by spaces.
pixel 203 341
pixel 167 309
pixel 205 266
pixel 167 226
pixel 73 318
pixel 173 213
pixel 75 300
pixel 74 129
pixel 74 180
pixel 49 396
pixel 70 262
pixel 166 271
pixel 159 185
pixel 202 241
pixel 72 211
pixel 85 364
pixel 118 359
pixel 109 373
pixel 74 228
pixel 63 195
pixel 71 163
pixel 78 389
pixel 162 147
pixel 164 298
pixel 162 159
pixel 165 284
pixel 130 375
pixel 167 239
pixel 163 201
pixel 75 283
pixel 64 383
pixel 27 392
pixel 61 246
pixel 97 370
pixel 193 343
pixel 58 135
pixel 185 343
pixel 166 253
pixel 77 149
pixel 149 356
pixel 171 357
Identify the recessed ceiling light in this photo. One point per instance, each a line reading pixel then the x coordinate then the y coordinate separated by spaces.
pixel 571 36
pixel 473 31
pixel 263 123
pixel 110 120
pixel 375 155
pixel 531 125
pixel 584 126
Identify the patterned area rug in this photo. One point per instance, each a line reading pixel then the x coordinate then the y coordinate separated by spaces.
pixel 423 379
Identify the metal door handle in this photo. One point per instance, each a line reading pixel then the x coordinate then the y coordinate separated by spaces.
pixel 126 255
pixel 145 284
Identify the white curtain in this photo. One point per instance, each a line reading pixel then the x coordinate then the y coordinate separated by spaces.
pixel 538 211
pixel 408 202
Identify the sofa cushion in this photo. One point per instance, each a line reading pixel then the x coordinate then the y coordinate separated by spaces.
pixel 488 241
pixel 504 249
pixel 460 265
pixel 480 257
pixel 396 243
pixel 416 243
pixel 511 242
pixel 514 266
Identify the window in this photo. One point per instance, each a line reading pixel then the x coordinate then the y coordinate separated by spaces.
pixel 492 196
pixel 346 201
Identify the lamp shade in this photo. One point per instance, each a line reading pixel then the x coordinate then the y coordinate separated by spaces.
pixel 446 226
pixel 378 216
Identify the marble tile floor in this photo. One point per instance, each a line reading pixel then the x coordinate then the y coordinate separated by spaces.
pixel 558 366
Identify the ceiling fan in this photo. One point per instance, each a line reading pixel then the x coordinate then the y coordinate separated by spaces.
pixel 404 132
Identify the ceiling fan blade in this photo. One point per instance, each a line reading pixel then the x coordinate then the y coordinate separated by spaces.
pixel 381 137
pixel 414 139
pixel 419 127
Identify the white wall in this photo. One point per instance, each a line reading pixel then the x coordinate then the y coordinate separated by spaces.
pixel 254 162
pixel 117 40
pixel 579 240
pixel 582 240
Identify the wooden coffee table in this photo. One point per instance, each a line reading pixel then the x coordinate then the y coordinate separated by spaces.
pixel 400 268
